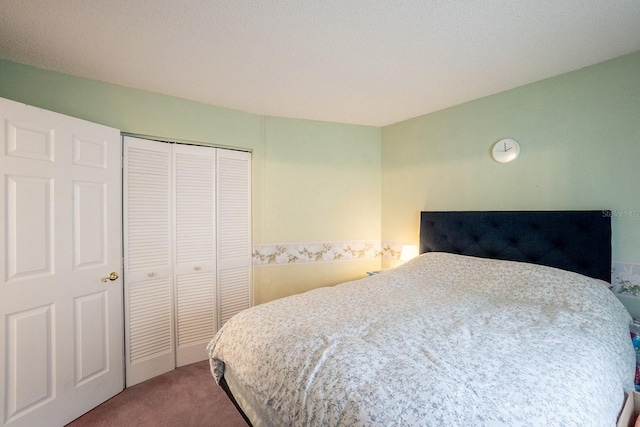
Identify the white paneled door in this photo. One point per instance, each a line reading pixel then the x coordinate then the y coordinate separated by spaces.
pixel 61 331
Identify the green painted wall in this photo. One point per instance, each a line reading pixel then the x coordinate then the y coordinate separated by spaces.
pixel 312 181
pixel 331 172
pixel 129 110
pixel 579 135
pixel 322 184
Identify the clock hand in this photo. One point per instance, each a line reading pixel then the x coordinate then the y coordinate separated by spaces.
pixel 507 149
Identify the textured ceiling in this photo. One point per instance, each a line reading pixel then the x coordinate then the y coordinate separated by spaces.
pixel 372 62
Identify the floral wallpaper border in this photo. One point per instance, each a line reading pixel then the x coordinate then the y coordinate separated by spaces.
pixel 297 253
pixel 625 279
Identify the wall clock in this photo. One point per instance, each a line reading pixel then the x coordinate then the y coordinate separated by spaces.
pixel 505 151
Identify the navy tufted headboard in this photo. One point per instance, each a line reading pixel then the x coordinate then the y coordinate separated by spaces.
pixel 578 241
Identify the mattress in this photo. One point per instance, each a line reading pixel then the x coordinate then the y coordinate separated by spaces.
pixel 441 340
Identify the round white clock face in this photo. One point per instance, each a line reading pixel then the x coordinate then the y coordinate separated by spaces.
pixel 505 151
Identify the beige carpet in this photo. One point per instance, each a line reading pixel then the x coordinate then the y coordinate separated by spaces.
pixel 187 396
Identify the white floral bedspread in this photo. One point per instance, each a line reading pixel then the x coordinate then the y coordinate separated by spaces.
pixel 443 340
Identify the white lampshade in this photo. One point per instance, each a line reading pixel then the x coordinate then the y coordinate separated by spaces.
pixel 408 252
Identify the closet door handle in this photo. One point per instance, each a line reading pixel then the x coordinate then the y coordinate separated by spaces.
pixel 196 268
pixel 150 274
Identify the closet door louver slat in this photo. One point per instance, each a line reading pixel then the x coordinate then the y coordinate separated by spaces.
pixel 150 321
pixel 235 295
pixel 147 200
pixel 195 301
pixel 194 203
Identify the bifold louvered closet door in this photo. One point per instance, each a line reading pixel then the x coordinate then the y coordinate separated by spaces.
pixel 187 251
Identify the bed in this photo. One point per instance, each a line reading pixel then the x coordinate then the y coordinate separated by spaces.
pixel 504 319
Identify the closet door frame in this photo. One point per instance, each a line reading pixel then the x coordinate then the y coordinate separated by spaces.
pixel 197 311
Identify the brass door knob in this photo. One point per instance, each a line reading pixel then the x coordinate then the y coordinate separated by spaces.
pixel 113 276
